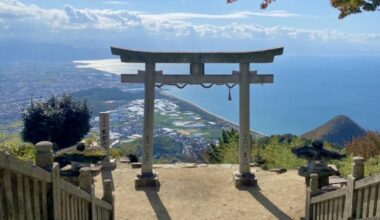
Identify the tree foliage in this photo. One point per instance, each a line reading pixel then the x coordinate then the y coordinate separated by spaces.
pixel 224 150
pixel 60 120
pixel 346 7
pixel 366 146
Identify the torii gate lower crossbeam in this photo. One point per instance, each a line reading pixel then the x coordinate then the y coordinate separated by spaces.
pixel 150 77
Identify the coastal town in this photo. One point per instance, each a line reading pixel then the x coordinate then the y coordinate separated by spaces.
pixel 186 128
pixel 189 128
pixel 23 81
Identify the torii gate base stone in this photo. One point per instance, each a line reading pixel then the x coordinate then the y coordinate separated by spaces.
pixel 244 77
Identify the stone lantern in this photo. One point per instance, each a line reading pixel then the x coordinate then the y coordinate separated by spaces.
pixel 317 158
pixel 79 157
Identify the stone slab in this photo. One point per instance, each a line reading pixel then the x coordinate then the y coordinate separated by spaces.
pixel 136 165
pixel 241 180
pixel 124 160
pixel 278 170
pixel 144 180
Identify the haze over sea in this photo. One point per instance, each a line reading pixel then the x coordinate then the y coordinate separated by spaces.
pixel 307 91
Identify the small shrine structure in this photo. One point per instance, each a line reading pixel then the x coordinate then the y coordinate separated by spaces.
pixel 151 78
pixel 317 158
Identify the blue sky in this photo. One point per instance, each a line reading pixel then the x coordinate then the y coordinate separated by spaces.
pixel 302 27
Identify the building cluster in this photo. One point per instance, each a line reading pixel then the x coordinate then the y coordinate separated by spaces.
pixel 23 81
pixel 185 127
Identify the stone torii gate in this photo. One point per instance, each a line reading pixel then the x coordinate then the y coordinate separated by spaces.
pixel 244 77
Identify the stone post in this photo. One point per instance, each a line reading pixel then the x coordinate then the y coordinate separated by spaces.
pixel 104 129
pixel 357 173
pixel 147 177
pixel 44 155
pixel 107 193
pixel 85 179
pixel 244 177
pixel 358 167
pixel 314 183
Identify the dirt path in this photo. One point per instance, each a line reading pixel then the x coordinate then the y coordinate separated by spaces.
pixel 208 193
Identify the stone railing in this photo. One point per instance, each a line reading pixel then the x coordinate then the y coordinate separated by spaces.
pixel 30 191
pixel 359 200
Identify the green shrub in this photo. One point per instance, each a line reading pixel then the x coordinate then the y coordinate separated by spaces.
pixel 270 152
pixel 280 156
pixel 60 120
pixel 230 153
pixel 15 147
pixel 344 166
pixel 115 153
pixel 372 166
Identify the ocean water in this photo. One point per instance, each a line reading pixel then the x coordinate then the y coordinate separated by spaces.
pixel 307 91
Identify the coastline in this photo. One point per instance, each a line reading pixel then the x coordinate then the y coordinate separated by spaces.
pixel 206 112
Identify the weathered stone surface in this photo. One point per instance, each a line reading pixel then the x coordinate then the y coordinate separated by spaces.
pixel 124 160
pixel 241 180
pixel 263 56
pixel 358 167
pixel 136 165
pixel 187 165
pixel 147 180
pixel 44 146
pixel 85 179
pixel 44 155
pixel 107 190
pixel 104 129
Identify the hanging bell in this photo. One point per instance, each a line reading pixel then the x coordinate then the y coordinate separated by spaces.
pixel 229 94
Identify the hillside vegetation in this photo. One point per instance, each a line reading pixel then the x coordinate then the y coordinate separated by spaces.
pixel 367 146
pixel 275 151
pixel 269 152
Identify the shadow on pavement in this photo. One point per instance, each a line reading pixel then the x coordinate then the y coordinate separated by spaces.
pixel 264 201
pixel 156 203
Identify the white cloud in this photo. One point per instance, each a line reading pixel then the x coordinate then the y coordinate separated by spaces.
pixel 13 13
pixel 235 15
pixel 69 17
pixel 115 3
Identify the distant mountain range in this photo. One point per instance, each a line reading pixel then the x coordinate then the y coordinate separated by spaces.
pixel 19 51
pixel 339 130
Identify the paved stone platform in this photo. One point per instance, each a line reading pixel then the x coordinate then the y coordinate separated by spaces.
pixel 190 191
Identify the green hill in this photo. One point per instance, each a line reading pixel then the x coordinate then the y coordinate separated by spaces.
pixel 339 130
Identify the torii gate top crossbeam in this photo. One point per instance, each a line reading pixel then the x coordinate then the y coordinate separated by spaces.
pixel 262 56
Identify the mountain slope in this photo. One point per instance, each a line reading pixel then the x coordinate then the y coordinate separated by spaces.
pixel 339 130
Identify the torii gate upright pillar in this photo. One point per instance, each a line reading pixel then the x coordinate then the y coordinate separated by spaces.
pixel 147 177
pixel 244 177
